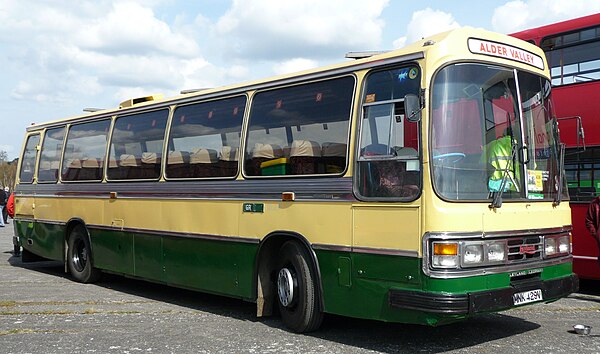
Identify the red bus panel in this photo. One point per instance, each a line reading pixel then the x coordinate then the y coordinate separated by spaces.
pixel 573 52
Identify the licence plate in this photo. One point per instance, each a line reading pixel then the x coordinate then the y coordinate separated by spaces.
pixel 527 297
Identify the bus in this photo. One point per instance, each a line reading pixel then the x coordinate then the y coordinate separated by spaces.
pixel 572 50
pixel 359 189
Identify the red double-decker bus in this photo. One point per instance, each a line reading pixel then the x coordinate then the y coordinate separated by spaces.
pixel 573 51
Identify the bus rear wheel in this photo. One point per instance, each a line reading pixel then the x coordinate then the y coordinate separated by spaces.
pixel 79 256
pixel 296 291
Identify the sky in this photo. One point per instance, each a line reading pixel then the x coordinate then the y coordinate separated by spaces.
pixel 59 57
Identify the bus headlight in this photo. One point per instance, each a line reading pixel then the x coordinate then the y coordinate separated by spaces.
pixel 445 255
pixel 550 247
pixel 496 252
pixel 564 244
pixel 482 253
pixel 473 254
pixel 555 246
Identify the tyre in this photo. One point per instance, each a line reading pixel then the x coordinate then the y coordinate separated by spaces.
pixel 16 247
pixel 79 256
pixel 297 293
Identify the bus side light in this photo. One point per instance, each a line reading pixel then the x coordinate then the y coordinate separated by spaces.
pixel 445 255
pixel 445 249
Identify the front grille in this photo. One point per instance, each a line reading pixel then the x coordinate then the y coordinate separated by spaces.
pixel 525 249
pixel 522 250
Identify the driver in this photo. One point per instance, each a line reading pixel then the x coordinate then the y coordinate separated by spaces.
pixel 499 158
pixel 393 181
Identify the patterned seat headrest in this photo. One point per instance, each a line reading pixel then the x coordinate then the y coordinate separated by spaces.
pixel 305 148
pixel 90 162
pixel 229 153
pixel 177 157
pixel 203 156
pixel 269 151
pixel 128 160
pixel 150 158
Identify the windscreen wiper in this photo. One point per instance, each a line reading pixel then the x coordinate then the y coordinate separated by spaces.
pixel 497 195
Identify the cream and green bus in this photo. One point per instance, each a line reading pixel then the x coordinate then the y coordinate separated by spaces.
pixel 368 189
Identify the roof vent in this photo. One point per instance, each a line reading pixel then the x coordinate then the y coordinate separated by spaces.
pixel 188 91
pixel 364 54
pixel 92 109
pixel 132 102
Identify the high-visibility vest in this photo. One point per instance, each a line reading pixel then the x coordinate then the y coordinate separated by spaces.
pixel 500 156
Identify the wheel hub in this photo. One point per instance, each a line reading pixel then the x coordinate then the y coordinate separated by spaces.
pixel 79 256
pixel 285 287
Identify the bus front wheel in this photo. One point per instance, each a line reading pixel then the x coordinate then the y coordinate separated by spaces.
pixel 79 257
pixel 296 291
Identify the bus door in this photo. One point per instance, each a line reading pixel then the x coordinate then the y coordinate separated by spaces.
pixel 24 206
pixel 389 174
pixel 25 192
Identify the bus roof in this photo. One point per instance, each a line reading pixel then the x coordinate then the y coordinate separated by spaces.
pixel 439 48
pixel 538 33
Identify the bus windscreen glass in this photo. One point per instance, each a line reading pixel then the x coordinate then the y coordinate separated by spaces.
pixel 493 130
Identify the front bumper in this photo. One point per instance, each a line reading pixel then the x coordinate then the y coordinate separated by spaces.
pixel 478 302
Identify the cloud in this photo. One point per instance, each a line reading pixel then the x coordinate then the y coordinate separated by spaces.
pixel 425 23
pixel 294 65
pixel 89 48
pixel 520 15
pixel 131 28
pixel 45 91
pixel 65 52
pixel 274 29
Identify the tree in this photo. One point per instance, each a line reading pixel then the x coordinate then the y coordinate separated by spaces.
pixel 8 171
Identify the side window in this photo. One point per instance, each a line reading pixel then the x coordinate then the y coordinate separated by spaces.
pixel 50 155
pixel 583 175
pixel 85 151
pixel 204 139
pixel 573 57
pixel 389 151
pixel 28 159
pixel 300 130
pixel 136 146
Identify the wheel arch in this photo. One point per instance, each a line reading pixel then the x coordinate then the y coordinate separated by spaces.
pixel 266 258
pixel 71 224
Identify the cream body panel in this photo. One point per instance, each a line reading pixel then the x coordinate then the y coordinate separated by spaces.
pixel 394 227
pixel 24 207
pixel 318 222
pixel 477 217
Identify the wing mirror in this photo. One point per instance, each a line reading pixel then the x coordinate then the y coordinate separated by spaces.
pixel 412 107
